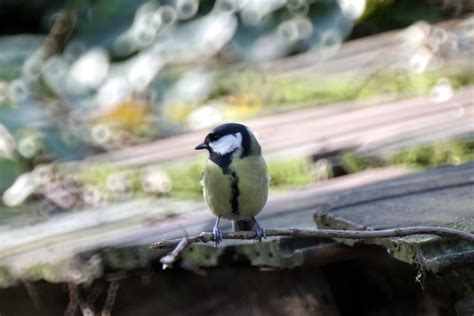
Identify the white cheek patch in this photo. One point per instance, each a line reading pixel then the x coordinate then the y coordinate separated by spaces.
pixel 227 144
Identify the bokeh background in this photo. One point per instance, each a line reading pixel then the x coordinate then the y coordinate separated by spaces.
pixel 82 78
pixel 101 106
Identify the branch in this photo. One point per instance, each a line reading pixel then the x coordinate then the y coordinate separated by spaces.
pixel 181 243
pixel 324 233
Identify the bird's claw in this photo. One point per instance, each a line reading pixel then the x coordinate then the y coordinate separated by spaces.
pixel 217 235
pixel 260 232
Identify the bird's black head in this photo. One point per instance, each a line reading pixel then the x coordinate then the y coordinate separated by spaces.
pixel 224 140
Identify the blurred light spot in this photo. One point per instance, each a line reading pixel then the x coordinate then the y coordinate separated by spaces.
pixel 296 29
pixel 3 91
pixel 204 117
pixel 55 71
pixel 167 14
pixel 113 91
pixel 101 134
pixel 18 90
pixel 143 35
pixel 7 144
pixel 321 170
pixel 92 196
pixel 123 45
pixel 254 11
pixel 352 9
pixel 268 47
pixel 146 8
pixel 90 70
pixel 216 31
pixel 73 51
pixel 143 70
pixel 466 27
pixel 439 35
pixel 442 91
pixel 416 34
pixel 331 41
pixel 29 146
pixel 154 180
pixel 420 60
pixel 297 7
pixel 22 188
pixel 449 47
pixel 194 86
pixel 120 183
pixel 32 67
pixel 186 9
pixel 44 173
pixel 229 6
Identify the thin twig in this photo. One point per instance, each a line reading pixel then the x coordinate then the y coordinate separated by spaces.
pixel 170 258
pixel 34 295
pixel 110 300
pixel 319 233
pixel 72 305
pixel 85 308
pixel 181 243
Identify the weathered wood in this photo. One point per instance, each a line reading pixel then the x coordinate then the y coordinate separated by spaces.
pixel 309 131
pixel 442 197
pixel 48 247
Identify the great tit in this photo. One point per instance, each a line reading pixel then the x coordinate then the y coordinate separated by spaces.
pixel 235 179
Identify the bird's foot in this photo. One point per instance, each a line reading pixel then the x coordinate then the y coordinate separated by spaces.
pixel 217 235
pixel 260 232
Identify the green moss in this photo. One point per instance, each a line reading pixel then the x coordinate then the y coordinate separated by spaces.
pixel 9 171
pixel 6 279
pixel 289 173
pixel 319 89
pixel 441 153
pixel 49 272
pixel 284 174
pixel 186 178
pixel 186 181
pixel 436 154
pixel 352 162
pixel 294 172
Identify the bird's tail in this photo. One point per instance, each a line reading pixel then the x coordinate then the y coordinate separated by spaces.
pixel 244 225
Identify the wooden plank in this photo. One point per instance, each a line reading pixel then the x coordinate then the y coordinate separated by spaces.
pixel 307 130
pixel 442 197
pixel 57 241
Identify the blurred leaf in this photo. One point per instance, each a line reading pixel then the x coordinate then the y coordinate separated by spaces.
pixel 9 171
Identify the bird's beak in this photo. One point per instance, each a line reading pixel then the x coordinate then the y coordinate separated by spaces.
pixel 201 146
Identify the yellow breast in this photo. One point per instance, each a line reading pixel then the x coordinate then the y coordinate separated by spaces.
pixel 240 192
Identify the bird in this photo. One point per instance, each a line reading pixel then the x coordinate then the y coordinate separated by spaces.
pixel 235 179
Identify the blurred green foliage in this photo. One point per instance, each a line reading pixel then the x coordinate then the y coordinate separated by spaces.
pixel 436 154
pixel 9 171
pixel 186 180
pixel 289 173
pixel 295 172
pixel 318 89
pixel 352 162
pixel 284 174
pixel 424 156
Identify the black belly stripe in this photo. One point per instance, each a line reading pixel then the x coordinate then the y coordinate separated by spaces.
pixel 234 185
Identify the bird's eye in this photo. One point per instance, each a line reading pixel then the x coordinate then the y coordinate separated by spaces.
pixel 212 137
